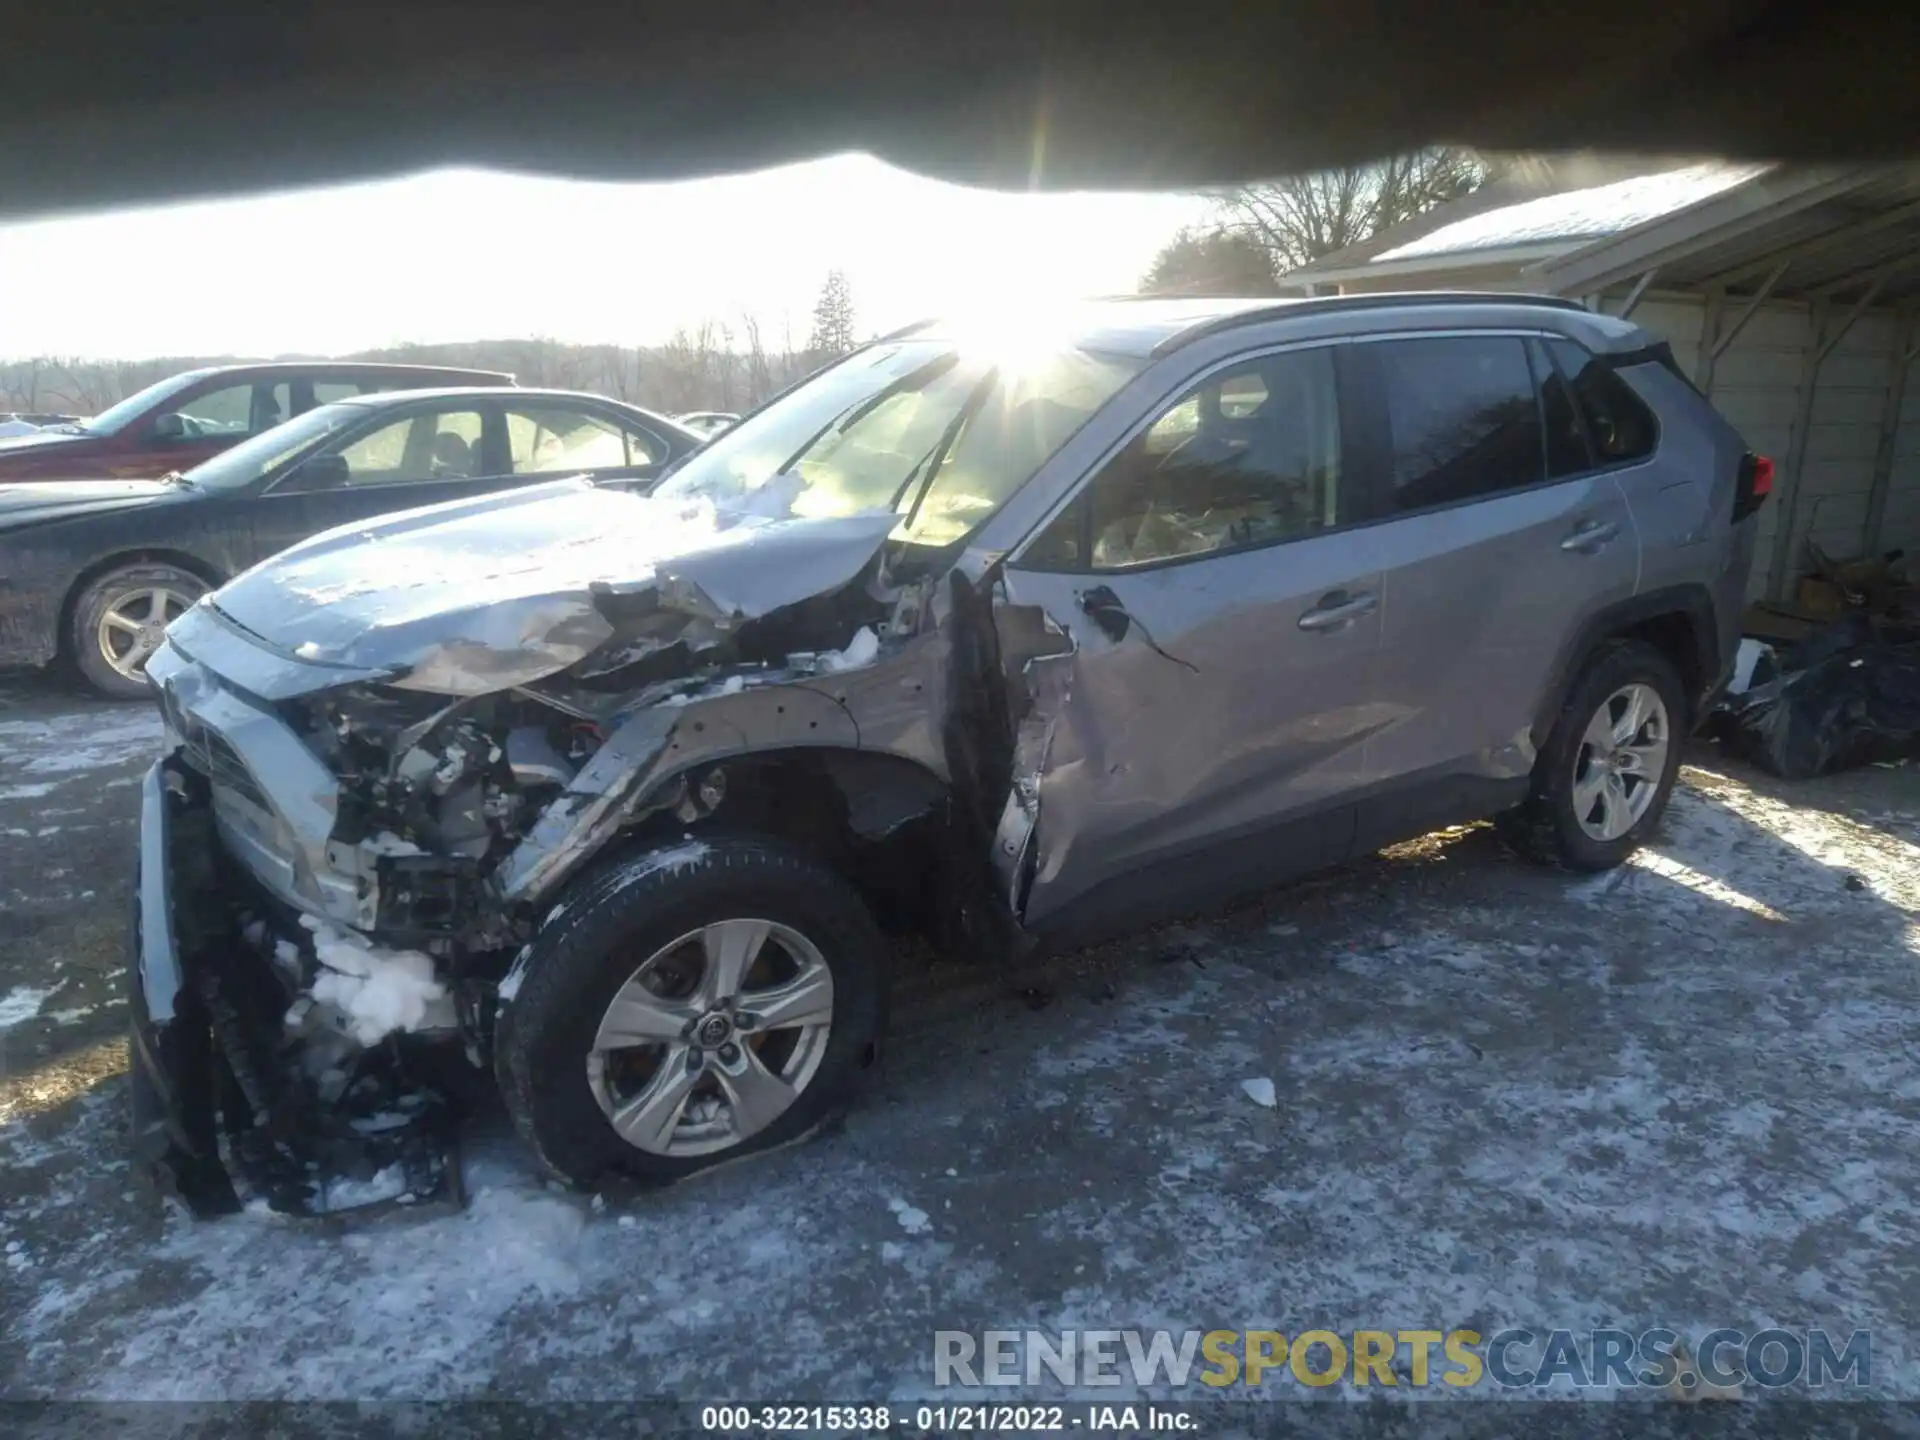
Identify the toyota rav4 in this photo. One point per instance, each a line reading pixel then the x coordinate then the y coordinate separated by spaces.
pixel 1014 636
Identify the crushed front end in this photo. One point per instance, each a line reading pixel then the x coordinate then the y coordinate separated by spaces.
pixel 337 870
pixel 280 1053
pixel 238 1072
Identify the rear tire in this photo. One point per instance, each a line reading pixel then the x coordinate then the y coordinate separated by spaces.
pixel 119 619
pixel 645 916
pixel 1588 809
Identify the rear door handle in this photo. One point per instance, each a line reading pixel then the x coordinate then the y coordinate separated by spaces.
pixel 1337 608
pixel 1590 536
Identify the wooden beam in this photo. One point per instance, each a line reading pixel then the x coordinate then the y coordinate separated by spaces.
pixel 1760 296
pixel 1789 498
pixel 1900 369
pixel 1711 315
pixel 1639 289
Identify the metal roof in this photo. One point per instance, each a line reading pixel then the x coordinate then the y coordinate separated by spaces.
pixel 1852 234
pixel 1584 214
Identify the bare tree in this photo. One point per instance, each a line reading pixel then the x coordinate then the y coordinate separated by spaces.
pixel 1303 217
pixel 1211 262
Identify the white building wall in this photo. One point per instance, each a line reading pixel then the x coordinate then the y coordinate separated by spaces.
pixel 1756 385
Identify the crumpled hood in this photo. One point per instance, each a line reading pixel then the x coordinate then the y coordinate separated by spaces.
pixel 480 595
pixel 26 502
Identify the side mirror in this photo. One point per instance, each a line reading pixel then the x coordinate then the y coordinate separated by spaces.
pixel 170 427
pixel 322 472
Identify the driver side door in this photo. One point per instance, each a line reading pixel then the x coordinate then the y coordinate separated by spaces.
pixel 1221 595
pixel 190 428
pixel 423 455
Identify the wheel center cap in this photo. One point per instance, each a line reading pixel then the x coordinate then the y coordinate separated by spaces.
pixel 714 1031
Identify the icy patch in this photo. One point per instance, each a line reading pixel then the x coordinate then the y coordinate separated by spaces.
pixel 388 1184
pixel 516 976
pixel 861 650
pixel 388 843
pixel 377 989
pixel 913 1221
pixel 21 1003
pixel 26 792
pixel 63 748
pixel 1260 1091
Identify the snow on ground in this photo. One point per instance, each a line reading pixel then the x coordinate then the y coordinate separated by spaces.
pixel 1682 1094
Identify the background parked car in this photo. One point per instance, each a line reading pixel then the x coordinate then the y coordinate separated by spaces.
pixel 97 569
pixel 709 422
pixel 179 422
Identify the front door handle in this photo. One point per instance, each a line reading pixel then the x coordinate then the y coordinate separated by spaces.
pixel 1590 536
pixel 1337 608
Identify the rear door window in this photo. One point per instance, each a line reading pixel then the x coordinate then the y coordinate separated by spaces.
pixel 1463 416
pixel 1619 423
pixel 549 440
pixel 443 445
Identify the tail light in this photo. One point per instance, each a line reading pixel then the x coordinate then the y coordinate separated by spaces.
pixel 1756 483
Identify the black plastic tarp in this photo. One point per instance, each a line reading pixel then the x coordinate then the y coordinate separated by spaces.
pixel 1846 695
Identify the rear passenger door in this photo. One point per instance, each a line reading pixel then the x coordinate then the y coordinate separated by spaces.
pixel 1500 535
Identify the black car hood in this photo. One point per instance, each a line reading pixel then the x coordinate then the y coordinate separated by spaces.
pixel 28 502
pixel 481 595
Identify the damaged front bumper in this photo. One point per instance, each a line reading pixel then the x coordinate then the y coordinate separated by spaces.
pixel 218 1090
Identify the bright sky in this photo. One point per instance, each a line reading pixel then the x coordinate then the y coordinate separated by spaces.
pixel 468 255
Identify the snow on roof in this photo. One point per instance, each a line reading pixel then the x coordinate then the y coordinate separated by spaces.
pixel 1579 214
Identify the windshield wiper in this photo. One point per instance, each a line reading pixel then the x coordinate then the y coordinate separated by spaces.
pixel 174 477
pixel 924 472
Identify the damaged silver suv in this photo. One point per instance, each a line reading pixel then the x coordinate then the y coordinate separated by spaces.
pixel 1015 637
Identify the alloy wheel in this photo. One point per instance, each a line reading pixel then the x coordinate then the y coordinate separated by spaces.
pixel 134 623
pixel 1621 761
pixel 713 1038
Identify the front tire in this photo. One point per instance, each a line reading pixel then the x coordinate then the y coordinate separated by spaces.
pixel 689 1005
pixel 120 619
pixel 1603 778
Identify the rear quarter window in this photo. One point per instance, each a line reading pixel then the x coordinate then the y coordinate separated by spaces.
pixel 1620 427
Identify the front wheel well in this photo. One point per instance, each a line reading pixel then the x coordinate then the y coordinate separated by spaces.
pixel 880 821
pixel 180 560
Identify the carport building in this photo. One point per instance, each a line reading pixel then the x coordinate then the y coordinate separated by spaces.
pixel 1789 293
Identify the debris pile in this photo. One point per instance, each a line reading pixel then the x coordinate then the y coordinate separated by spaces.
pixel 1846 695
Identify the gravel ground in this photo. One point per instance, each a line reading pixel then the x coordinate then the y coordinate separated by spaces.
pixel 1683 1094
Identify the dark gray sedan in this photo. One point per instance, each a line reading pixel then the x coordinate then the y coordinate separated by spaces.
pixel 97 569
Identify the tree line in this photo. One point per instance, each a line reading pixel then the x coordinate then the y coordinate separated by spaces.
pixel 1258 232
pixel 718 365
